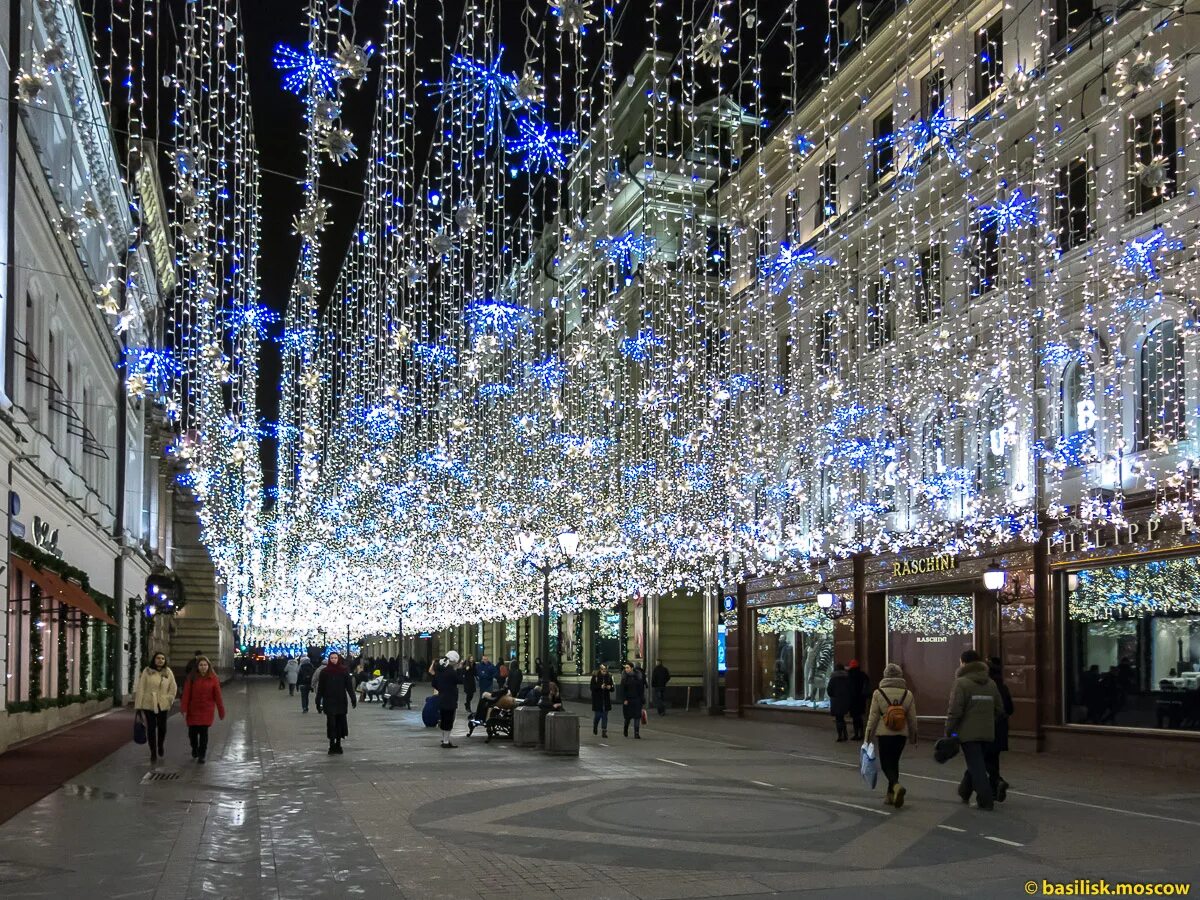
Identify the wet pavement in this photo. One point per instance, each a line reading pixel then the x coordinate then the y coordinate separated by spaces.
pixel 700 807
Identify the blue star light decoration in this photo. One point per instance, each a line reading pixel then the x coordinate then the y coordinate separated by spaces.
pixel 435 356
pixel 539 146
pixel 924 137
pixel 1007 216
pixel 780 269
pixel 641 347
pixel 1138 257
pixel 550 373
pixel 627 250
pixel 306 70
pixel 297 340
pixel 254 318
pixel 483 91
pixel 156 365
pixel 498 318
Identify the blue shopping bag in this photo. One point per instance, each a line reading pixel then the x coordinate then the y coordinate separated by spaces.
pixel 868 766
pixel 431 712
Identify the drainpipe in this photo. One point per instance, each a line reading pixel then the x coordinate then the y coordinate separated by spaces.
pixel 10 248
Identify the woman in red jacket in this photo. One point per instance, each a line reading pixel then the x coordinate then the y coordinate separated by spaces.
pixel 201 697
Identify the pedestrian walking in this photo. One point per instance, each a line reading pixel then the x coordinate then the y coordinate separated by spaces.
pixel 446 675
pixel 602 688
pixel 975 705
pixel 891 723
pixel 658 681
pixel 335 694
pixel 838 690
pixel 860 690
pixel 201 698
pixel 187 670
pixel 304 678
pixel 485 674
pixel 1000 744
pixel 152 698
pixel 633 694
pixel 468 682
pixel 291 672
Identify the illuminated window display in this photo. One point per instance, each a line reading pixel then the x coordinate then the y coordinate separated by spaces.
pixel 793 656
pixel 926 634
pixel 1133 645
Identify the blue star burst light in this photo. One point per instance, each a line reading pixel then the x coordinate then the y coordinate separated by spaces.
pixel 550 373
pixel 539 146
pixel 1013 214
pixel 781 268
pixel 157 365
pixel 483 91
pixel 254 318
pixel 436 356
pixel 498 317
pixel 1138 255
pixel 639 348
pixel 923 138
pixel 627 250
pixel 306 70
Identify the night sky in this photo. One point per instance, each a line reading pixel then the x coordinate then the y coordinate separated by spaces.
pixel 278 121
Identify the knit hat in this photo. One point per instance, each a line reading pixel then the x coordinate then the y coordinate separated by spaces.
pixel 853 664
pixel 892 670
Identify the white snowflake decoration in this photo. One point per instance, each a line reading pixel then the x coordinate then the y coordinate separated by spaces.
pixel 573 15
pixel 352 60
pixel 30 86
pixel 442 244
pixel 712 43
pixel 339 144
pixel 310 223
pixel 1137 73
pixel 529 89
pixel 466 216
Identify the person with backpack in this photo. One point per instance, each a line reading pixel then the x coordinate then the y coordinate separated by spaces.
pixel 975 705
pixel 304 677
pixel 891 723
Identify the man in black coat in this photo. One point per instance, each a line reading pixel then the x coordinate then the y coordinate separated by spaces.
pixel 515 677
pixel 658 680
pixel 991 753
pixel 838 690
pixel 860 690
pixel 633 693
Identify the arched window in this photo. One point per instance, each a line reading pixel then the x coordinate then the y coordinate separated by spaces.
pixel 993 441
pixel 1071 397
pixel 1161 408
pixel 935 449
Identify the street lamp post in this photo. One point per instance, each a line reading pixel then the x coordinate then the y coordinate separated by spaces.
pixel 568 543
pixel 993 580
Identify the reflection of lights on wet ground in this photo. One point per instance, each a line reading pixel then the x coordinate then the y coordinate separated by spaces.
pixel 236 810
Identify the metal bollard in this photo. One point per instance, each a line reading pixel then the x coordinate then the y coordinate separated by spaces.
pixel 562 734
pixel 526 722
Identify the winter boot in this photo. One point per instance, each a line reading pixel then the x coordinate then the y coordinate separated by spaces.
pixel 898 796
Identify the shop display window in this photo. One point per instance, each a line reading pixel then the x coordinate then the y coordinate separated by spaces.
pixel 1132 645
pixel 926 635
pixel 606 639
pixel 793 656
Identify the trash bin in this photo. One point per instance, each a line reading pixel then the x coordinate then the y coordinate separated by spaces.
pixel 526 720
pixel 562 733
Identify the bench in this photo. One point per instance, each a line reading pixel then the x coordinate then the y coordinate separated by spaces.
pixel 397 694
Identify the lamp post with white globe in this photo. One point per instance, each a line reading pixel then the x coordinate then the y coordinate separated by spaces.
pixel 567 545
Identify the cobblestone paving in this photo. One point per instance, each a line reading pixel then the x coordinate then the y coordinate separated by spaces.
pixel 701 807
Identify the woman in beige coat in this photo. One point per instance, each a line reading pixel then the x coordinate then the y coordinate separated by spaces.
pixel 152 699
pixel 892 722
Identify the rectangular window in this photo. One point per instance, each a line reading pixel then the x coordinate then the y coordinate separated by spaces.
pixel 784 356
pixel 1155 159
pixel 881 316
pixel 827 197
pixel 1072 207
pixel 989 59
pixel 929 285
pixel 762 239
pixel 985 259
pixel 793 656
pixel 883 143
pixel 827 340
pixel 1073 15
pixel 933 92
pixel 792 219
pixel 1132 648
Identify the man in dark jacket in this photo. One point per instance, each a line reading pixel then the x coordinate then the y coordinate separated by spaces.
pixel 975 705
pixel 860 690
pixel 1000 744
pixel 304 676
pixel 633 692
pixel 838 690
pixel 658 680
pixel 485 674
pixel 515 677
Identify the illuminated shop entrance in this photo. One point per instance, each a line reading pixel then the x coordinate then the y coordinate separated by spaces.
pixel 793 656
pixel 926 635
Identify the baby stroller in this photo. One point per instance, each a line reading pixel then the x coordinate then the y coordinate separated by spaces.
pixel 494 714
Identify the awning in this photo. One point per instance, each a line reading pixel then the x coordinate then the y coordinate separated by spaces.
pixel 57 589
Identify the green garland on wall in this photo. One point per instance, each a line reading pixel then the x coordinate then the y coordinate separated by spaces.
pixel 85 656
pixel 35 648
pixel 579 643
pixel 63 676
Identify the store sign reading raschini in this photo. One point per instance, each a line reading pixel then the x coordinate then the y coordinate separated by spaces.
pixel 938 562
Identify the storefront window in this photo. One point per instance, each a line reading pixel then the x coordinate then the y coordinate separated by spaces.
pixel 606 638
pixel 926 635
pixel 1133 645
pixel 793 656
pixel 510 640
